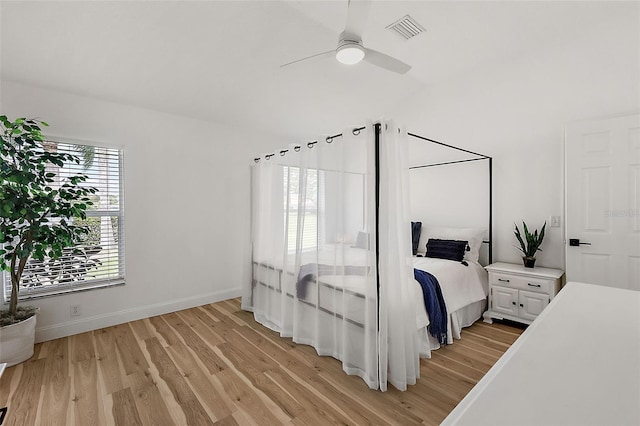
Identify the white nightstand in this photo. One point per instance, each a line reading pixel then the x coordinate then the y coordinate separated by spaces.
pixel 520 294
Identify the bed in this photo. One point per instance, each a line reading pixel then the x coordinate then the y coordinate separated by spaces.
pixel 463 280
pixel 465 290
pixel 340 279
pixel 348 291
pixel 332 263
pixel 344 308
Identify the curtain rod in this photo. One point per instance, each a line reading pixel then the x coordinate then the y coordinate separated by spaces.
pixel 356 131
pixel 296 148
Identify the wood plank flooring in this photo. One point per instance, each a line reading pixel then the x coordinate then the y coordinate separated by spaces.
pixel 214 365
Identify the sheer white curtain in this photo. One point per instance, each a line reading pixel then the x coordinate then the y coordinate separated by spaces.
pixel 398 341
pixel 315 276
pixel 313 236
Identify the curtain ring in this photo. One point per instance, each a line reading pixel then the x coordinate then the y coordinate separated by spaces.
pixel 356 132
pixel 311 144
pixel 257 159
pixel 283 152
pixel 329 139
pixel 268 156
pixel 297 148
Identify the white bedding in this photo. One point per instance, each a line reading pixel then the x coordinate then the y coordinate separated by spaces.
pixel 462 287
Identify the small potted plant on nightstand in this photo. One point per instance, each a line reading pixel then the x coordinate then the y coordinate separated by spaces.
pixel 532 245
pixel 36 220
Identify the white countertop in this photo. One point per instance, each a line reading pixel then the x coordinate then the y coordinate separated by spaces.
pixel 577 364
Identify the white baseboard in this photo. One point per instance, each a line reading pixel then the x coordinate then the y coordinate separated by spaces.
pixel 100 321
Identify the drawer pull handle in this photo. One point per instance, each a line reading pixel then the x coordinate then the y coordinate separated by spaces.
pixel 534 285
pixel 521 305
pixel 504 281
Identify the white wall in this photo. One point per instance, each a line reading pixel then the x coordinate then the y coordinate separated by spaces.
pixel 454 195
pixel 515 111
pixel 186 206
pixel 187 181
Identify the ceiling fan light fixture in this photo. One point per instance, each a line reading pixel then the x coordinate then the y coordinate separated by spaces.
pixel 350 53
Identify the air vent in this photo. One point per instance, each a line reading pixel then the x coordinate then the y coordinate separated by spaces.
pixel 407 27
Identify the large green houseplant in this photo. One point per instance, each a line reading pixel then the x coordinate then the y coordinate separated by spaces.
pixel 37 206
pixel 530 244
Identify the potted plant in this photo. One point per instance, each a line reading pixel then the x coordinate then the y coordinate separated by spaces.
pixel 37 210
pixel 533 242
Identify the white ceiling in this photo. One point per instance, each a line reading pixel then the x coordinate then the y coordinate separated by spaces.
pixel 220 60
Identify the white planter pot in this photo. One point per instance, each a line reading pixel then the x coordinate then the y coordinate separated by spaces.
pixel 17 341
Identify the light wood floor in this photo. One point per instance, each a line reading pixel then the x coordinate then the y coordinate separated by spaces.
pixel 215 365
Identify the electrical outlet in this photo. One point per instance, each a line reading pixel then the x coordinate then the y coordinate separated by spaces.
pixel 75 310
pixel 555 222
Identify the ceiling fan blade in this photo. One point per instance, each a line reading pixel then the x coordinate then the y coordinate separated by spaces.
pixel 328 53
pixel 357 16
pixel 385 61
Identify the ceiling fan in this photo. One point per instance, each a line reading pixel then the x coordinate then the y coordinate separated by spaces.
pixel 350 49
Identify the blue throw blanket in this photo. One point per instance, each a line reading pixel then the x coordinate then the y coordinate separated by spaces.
pixel 434 302
pixel 309 272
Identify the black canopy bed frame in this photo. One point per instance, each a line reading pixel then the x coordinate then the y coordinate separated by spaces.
pixel 377 132
pixel 275 279
pixel 478 157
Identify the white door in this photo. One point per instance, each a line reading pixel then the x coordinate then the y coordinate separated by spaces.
pixel 531 304
pixel 603 202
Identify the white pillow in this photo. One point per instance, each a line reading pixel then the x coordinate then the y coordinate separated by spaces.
pixel 473 236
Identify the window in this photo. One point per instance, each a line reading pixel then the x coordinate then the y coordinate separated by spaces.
pixel 310 207
pixel 98 261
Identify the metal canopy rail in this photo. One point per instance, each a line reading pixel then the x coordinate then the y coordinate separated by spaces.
pixel 480 157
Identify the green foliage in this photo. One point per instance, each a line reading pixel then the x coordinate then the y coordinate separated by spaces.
pixel 115 223
pixel 88 154
pixel 36 220
pixel 92 238
pixel 533 241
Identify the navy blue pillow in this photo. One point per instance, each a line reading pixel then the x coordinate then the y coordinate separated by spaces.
pixel 416 227
pixel 446 249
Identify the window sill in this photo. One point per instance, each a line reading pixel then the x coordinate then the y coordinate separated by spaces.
pixel 62 290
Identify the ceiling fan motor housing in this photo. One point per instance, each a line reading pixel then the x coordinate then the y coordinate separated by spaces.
pixel 350 50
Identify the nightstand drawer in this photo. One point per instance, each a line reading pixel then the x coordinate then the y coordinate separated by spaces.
pixel 521 283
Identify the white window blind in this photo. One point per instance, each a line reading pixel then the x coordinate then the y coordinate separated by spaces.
pixel 98 260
